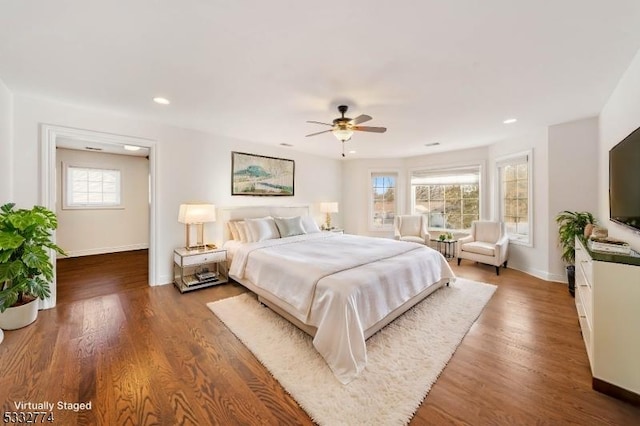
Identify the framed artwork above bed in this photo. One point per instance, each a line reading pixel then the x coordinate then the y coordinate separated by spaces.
pixel 260 175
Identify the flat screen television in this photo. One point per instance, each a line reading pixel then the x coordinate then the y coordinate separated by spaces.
pixel 624 181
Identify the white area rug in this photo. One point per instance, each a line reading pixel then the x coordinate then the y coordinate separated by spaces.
pixel 403 360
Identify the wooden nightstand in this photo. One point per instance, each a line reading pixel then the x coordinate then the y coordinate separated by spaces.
pixel 199 268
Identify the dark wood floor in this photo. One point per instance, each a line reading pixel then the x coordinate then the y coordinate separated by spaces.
pixel 150 355
pixel 84 277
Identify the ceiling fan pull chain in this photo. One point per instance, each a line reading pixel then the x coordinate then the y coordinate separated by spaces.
pixel 343 148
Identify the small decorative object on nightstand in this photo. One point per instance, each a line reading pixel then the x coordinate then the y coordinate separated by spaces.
pixel 328 208
pixel 199 268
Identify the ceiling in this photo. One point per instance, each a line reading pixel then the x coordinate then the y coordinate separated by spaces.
pixel 430 71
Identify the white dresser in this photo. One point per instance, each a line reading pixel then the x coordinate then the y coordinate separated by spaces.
pixel 608 303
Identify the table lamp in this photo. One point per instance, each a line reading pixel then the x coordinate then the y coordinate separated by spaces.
pixel 198 215
pixel 328 208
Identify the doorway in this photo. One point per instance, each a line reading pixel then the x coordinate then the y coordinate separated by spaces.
pixel 54 136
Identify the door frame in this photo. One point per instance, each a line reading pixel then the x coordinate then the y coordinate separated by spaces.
pixel 49 135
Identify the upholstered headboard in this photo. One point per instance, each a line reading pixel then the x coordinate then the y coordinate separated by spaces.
pixel 242 212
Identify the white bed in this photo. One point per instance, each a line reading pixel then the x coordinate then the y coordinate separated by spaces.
pixel 340 289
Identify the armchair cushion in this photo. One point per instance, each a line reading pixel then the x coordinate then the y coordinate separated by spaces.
pixel 410 225
pixel 411 228
pixel 480 247
pixel 412 239
pixel 489 232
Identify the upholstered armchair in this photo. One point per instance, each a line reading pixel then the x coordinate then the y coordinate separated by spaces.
pixel 411 228
pixel 488 243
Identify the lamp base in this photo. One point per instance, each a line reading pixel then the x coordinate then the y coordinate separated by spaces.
pixel 199 243
pixel 327 224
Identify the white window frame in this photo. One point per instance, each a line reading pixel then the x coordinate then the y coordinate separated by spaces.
pixel 450 168
pixel 67 188
pixel 373 173
pixel 512 159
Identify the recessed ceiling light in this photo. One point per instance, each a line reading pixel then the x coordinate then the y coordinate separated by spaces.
pixel 510 120
pixel 432 144
pixel 352 152
pixel 161 101
pixel 131 148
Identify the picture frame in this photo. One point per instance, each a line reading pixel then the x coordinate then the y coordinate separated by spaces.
pixel 259 175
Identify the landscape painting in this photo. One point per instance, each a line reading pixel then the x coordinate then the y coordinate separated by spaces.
pixel 259 175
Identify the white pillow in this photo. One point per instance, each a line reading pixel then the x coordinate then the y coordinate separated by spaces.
pixel 289 226
pixel 309 225
pixel 234 230
pixel 242 231
pixel 262 229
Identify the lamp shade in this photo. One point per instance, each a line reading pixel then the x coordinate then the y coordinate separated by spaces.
pixel 331 207
pixel 197 213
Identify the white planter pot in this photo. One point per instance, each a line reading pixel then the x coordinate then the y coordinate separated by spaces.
pixel 19 316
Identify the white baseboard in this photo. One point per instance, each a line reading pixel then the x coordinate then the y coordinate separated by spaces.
pixel 543 275
pixel 164 280
pixel 104 250
pixel 558 278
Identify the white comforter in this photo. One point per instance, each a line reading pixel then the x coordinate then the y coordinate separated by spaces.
pixel 341 284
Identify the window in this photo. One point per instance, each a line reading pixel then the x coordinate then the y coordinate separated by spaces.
pixel 88 187
pixel 383 200
pixel 514 189
pixel 449 197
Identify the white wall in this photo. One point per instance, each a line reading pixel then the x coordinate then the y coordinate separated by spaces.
pixel 573 179
pixel 191 166
pixel 94 231
pixel 356 186
pixel 532 260
pixel 619 117
pixel 6 142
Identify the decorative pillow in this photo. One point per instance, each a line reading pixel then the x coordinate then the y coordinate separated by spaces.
pixel 242 231
pixel 262 229
pixel 289 226
pixel 309 225
pixel 234 230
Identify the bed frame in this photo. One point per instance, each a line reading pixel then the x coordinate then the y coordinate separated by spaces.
pixel 239 213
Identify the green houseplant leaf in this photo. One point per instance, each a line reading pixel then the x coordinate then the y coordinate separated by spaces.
pixel 25 241
pixel 571 225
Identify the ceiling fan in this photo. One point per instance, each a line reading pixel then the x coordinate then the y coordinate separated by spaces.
pixel 343 127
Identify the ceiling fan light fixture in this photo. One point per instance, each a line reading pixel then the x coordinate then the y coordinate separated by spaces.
pixel 343 134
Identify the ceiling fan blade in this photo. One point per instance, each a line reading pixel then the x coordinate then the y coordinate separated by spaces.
pixel 360 119
pixel 318 133
pixel 320 122
pixel 370 129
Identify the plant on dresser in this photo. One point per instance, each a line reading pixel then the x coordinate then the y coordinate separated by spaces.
pixel 571 225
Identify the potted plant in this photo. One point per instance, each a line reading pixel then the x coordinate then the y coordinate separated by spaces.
pixel 25 267
pixel 570 225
